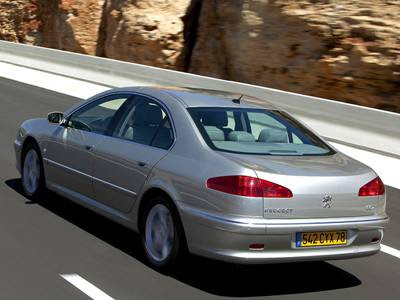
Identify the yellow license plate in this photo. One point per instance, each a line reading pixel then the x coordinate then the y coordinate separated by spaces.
pixel 322 238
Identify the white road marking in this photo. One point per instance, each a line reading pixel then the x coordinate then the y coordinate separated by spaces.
pixel 86 287
pixel 391 251
pixel 53 82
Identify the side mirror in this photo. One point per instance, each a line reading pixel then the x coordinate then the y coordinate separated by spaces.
pixel 55 117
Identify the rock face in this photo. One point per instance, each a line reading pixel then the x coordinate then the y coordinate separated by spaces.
pixel 344 50
pixel 142 31
pixel 71 25
pixel 148 32
pixel 339 49
pixel 17 20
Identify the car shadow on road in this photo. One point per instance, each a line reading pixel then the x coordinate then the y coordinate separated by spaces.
pixel 214 277
pixel 265 280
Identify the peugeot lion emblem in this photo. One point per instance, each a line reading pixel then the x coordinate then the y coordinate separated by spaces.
pixel 327 201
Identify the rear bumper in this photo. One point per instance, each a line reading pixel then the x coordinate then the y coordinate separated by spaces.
pixel 229 239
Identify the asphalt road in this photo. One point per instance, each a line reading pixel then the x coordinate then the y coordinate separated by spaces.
pixel 40 241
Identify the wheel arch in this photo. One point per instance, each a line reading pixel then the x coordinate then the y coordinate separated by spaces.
pixel 150 193
pixel 27 141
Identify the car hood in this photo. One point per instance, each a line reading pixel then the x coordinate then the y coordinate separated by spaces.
pixel 327 165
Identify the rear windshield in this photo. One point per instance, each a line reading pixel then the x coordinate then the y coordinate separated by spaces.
pixel 256 131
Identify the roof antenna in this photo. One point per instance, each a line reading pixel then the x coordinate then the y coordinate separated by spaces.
pixel 237 101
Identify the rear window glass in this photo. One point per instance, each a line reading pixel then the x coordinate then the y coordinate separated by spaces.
pixel 256 131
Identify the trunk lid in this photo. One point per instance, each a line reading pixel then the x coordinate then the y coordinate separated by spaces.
pixel 322 186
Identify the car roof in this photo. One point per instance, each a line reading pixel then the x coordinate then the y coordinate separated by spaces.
pixel 197 97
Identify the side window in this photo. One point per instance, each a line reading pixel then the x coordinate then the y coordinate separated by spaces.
pixel 296 139
pixel 96 117
pixel 146 123
pixel 164 136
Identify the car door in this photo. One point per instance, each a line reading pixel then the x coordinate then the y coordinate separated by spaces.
pixel 69 152
pixel 137 142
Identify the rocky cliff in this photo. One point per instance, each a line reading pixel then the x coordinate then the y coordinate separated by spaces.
pixel 148 32
pixel 18 20
pixel 338 49
pixel 345 50
pixel 71 25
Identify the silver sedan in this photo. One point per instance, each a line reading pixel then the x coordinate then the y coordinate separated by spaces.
pixel 206 172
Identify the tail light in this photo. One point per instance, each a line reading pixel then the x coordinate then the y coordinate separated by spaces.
pixel 373 188
pixel 248 186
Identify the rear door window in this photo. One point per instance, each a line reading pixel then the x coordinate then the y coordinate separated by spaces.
pixel 146 123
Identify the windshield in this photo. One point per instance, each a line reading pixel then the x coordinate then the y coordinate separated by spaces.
pixel 256 131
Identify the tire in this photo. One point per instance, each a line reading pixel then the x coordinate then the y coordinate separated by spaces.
pixel 32 174
pixel 163 239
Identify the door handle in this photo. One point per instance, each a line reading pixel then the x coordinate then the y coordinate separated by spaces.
pixel 141 163
pixel 88 147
